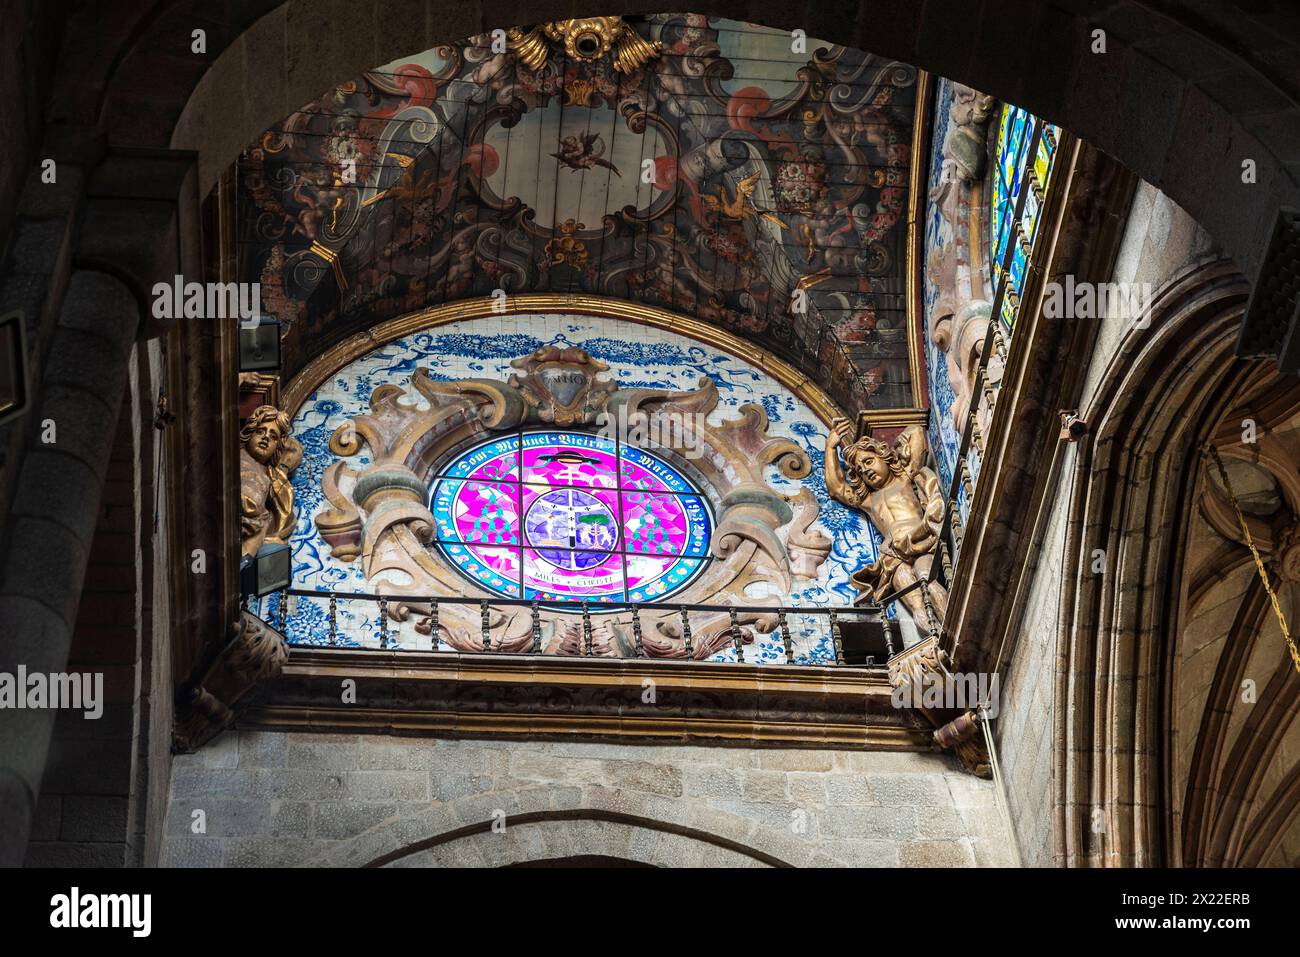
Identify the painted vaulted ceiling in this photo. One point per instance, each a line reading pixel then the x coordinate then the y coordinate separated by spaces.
pixel 716 180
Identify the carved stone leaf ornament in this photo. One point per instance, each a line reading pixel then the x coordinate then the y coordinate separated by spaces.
pixel 380 514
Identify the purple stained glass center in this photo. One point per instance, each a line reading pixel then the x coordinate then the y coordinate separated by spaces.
pixel 570 516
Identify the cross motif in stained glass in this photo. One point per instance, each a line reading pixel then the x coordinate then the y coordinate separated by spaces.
pixel 600 522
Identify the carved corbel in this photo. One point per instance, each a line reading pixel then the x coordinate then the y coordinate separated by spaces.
pixel 923 666
pixel 255 653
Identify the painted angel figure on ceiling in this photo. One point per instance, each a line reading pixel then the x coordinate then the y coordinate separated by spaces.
pixel 583 152
pixel 901 496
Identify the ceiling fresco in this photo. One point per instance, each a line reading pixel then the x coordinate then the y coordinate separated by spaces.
pixel 726 177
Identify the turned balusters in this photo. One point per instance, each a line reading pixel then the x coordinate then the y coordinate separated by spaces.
pixel 932 619
pixel 945 561
pixel 736 638
pixel 636 632
pixel 958 533
pixel 888 624
pixel 786 639
pixel 837 640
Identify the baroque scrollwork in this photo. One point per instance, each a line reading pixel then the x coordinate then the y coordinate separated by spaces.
pixel 380 514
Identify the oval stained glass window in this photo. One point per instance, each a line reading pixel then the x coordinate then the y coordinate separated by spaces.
pixel 567 516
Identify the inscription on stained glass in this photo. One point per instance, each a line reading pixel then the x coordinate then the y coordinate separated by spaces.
pixel 600 522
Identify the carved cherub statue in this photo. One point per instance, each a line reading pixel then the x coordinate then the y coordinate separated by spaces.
pixel 267 455
pixel 901 496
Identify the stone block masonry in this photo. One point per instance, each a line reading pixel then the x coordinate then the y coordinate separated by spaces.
pixel 272 799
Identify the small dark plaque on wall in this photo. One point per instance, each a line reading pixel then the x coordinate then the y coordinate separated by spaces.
pixel 13 367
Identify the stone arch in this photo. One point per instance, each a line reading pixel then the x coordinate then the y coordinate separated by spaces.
pixel 605 815
pixel 1133 495
pixel 1240 802
pixel 1144 100
pixel 552 835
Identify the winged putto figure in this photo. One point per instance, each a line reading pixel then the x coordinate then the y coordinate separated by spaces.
pixel 901 496
pixel 583 152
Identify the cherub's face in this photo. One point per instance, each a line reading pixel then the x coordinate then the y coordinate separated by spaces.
pixel 264 441
pixel 874 469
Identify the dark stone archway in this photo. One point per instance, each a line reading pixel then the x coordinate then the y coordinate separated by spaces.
pixel 1186 90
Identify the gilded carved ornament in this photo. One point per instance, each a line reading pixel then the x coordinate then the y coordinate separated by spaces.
pixel 267 454
pixel 900 495
pixel 588 38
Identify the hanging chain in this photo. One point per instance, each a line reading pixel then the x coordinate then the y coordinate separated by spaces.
pixel 586 629
pixel 735 638
pixel 334 619
pixel 383 623
pixel 1259 562
pixel 686 632
pixel 537 628
pixel 487 632
pixel 433 623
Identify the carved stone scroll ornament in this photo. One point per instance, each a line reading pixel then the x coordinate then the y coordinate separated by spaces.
pixel 267 455
pixel 380 515
pixel 901 496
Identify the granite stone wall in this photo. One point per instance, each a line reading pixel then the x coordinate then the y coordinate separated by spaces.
pixel 1160 240
pixel 275 799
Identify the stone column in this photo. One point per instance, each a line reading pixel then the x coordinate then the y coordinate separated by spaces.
pixel 55 508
